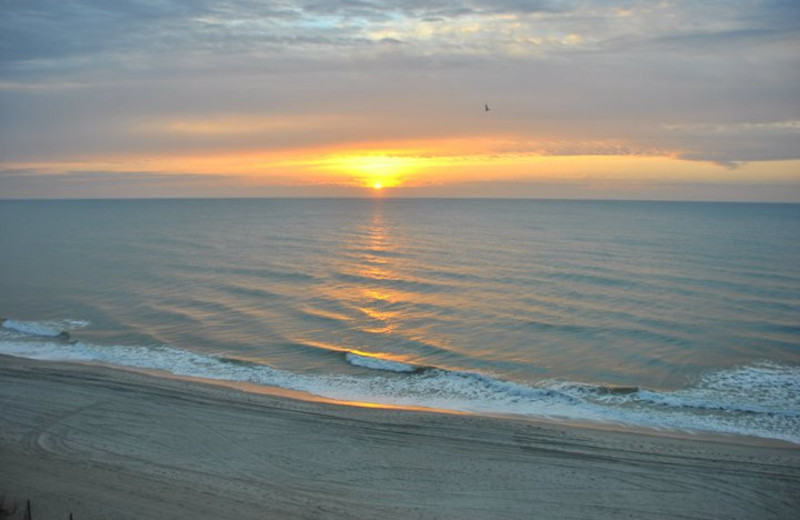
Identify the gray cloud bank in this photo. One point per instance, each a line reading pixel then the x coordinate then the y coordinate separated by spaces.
pixel 712 81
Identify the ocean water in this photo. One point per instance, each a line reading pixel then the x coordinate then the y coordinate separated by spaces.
pixel 671 316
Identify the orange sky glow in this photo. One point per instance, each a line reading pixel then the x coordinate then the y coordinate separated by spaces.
pixel 416 165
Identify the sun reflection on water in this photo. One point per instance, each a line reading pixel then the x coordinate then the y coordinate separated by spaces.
pixel 375 301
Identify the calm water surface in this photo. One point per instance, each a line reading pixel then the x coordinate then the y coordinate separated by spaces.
pixel 683 316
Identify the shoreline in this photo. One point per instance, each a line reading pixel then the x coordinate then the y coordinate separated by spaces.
pixel 107 443
pixel 551 422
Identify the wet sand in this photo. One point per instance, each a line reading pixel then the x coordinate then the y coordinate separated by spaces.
pixel 104 444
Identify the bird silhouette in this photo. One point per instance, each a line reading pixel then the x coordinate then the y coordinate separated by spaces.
pixel 486 108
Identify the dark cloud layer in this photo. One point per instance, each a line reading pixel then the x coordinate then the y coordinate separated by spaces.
pixel 61 29
pixel 708 81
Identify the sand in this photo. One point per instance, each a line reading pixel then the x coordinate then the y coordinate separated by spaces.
pixel 109 444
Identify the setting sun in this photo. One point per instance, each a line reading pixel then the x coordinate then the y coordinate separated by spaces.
pixel 376 170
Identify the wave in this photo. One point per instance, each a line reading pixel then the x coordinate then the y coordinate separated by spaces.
pixel 56 328
pixel 402 284
pixel 762 388
pixel 761 399
pixel 362 359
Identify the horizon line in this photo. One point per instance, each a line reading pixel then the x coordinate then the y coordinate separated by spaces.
pixel 462 198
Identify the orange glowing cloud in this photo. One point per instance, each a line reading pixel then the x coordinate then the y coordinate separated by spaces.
pixel 387 165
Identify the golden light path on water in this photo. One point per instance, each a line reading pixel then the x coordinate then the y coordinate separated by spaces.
pixel 375 297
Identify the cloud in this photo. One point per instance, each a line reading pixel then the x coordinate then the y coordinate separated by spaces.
pixel 129 80
pixel 32 184
pixel 36 32
pixel 35 175
pixel 752 129
pixel 59 37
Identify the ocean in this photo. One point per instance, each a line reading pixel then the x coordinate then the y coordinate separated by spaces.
pixel 681 317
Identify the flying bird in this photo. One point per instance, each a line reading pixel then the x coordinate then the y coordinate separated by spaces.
pixel 486 108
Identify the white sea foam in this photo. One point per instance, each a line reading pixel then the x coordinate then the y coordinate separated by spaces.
pixel 44 328
pixel 762 388
pixel 759 400
pixel 377 363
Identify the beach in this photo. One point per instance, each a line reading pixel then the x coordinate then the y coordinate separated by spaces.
pixel 104 443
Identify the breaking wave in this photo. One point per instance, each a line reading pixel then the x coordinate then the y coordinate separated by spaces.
pixel 57 328
pixel 361 359
pixel 761 400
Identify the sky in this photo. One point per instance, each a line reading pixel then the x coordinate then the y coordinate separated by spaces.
pixel 672 100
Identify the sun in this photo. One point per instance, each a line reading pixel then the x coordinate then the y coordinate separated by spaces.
pixel 375 170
